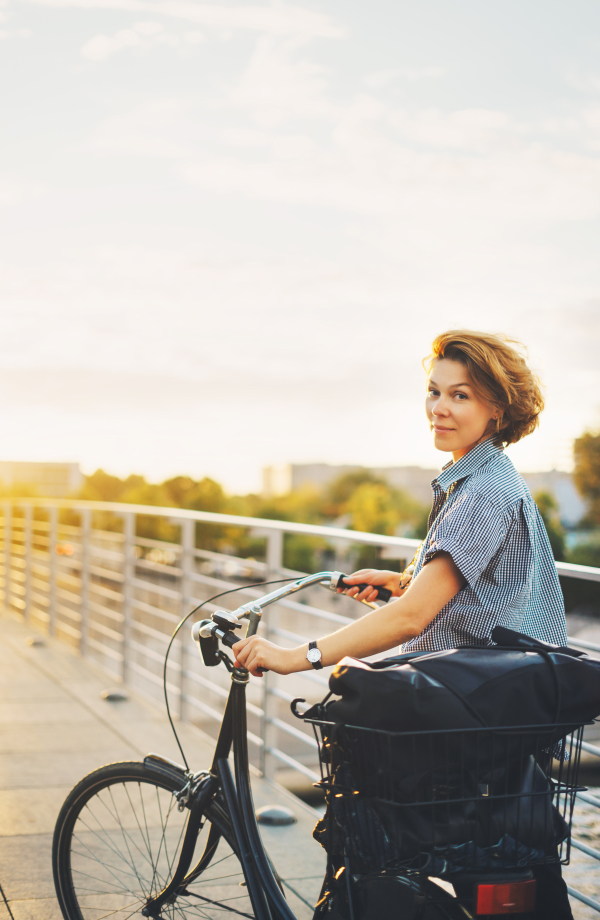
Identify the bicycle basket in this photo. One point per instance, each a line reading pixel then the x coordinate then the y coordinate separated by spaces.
pixel 439 803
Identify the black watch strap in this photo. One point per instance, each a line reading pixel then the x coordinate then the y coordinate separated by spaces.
pixel 316 662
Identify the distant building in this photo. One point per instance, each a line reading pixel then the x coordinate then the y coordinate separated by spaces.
pixel 571 505
pixel 416 481
pixel 286 477
pixel 51 480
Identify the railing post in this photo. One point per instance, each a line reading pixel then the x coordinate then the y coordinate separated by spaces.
pixel 270 703
pixel 274 553
pixel 86 526
pixel 7 553
pixel 269 731
pixel 188 545
pixel 128 590
pixel 52 564
pixel 27 557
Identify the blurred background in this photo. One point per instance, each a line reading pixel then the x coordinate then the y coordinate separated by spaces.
pixel 230 231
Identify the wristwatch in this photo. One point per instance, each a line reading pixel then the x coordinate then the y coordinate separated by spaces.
pixel 314 656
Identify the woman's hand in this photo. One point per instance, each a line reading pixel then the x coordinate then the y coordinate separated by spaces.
pixel 256 652
pixel 393 581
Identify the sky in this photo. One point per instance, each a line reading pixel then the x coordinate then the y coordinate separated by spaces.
pixel 230 231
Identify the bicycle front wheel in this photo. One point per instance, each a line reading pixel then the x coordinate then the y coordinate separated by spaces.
pixel 117 842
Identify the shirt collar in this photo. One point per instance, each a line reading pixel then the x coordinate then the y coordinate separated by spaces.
pixel 472 461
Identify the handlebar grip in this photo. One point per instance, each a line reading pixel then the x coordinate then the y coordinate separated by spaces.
pixel 229 639
pixel 383 594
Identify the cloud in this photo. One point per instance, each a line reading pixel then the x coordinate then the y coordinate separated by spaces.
pixel 141 35
pixel 282 19
pixel 382 78
pixel 162 129
pixel 277 86
pixel 16 190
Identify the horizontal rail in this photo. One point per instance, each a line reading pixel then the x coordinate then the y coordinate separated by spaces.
pixel 589 851
pixel 294 764
pixel 590 748
pixel 571 570
pixel 209 517
pixel 584 898
pixel 295 732
pixel 590 799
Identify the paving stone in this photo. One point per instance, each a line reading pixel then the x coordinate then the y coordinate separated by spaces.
pixel 59 736
pixel 55 768
pixel 30 811
pixel 26 867
pixel 36 909
pixel 42 710
pixel 36 687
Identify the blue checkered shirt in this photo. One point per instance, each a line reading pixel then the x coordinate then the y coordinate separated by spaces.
pixel 484 516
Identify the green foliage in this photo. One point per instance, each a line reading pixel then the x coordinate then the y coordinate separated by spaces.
pixel 586 453
pixel 300 552
pixel 339 492
pixel 371 503
pixel 421 523
pixel 556 533
pixel 102 487
pixel 374 508
pixel 579 593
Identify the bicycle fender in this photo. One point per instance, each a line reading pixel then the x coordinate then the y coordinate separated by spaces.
pixel 165 767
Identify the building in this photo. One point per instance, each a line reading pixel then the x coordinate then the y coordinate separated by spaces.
pixel 50 480
pixel 416 481
pixel 287 477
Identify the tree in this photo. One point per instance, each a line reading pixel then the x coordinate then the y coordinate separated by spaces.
pixel 102 487
pixel 337 494
pixel 556 534
pixel 202 495
pixel 586 453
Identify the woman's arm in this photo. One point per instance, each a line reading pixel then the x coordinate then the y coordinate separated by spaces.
pixel 397 622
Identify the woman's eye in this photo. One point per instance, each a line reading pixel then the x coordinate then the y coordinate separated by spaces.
pixel 431 392
pixel 461 395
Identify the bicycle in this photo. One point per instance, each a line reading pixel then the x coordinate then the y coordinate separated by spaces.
pixel 158 840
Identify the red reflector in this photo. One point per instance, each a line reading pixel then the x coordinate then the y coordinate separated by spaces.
pixel 514 898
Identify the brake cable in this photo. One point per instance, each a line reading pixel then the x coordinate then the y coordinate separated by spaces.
pixel 261 584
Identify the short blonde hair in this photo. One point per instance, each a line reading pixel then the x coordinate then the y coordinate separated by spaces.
pixel 498 369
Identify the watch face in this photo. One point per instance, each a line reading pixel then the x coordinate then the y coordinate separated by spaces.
pixel 313 654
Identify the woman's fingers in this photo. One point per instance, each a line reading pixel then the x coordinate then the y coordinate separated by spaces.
pixel 373 578
pixel 257 653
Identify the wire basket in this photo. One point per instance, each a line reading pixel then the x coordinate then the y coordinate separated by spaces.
pixel 441 803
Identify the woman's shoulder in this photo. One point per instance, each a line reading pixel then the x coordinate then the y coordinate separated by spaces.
pixel 498 482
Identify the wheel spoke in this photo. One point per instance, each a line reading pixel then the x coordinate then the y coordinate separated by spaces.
pixel 123 843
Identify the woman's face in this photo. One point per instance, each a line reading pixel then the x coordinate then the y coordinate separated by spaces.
pixel 458 417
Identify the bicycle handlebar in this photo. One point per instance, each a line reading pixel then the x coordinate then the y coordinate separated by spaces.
pixel 208 632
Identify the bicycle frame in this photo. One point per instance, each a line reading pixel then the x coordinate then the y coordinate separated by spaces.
pixel 228 804
pixel 227 801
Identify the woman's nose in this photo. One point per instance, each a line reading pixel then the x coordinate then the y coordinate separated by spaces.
pixel 439 407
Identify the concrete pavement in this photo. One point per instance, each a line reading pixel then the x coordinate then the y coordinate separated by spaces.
pixel 55 728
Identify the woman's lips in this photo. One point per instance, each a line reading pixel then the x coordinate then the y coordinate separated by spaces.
pixel 438 428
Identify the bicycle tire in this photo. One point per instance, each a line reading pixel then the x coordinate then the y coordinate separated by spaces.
pixel 116 844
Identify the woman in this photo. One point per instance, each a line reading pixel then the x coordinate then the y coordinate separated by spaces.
pixel 486 560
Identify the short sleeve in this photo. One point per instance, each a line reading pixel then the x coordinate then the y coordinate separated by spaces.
pixel 471 531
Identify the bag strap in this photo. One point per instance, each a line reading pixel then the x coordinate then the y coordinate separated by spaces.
pixel 510 638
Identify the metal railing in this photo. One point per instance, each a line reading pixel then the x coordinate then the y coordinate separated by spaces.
pixel 85 573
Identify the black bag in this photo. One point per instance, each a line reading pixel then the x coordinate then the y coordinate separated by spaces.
pixel 466 688
pixel 456 693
